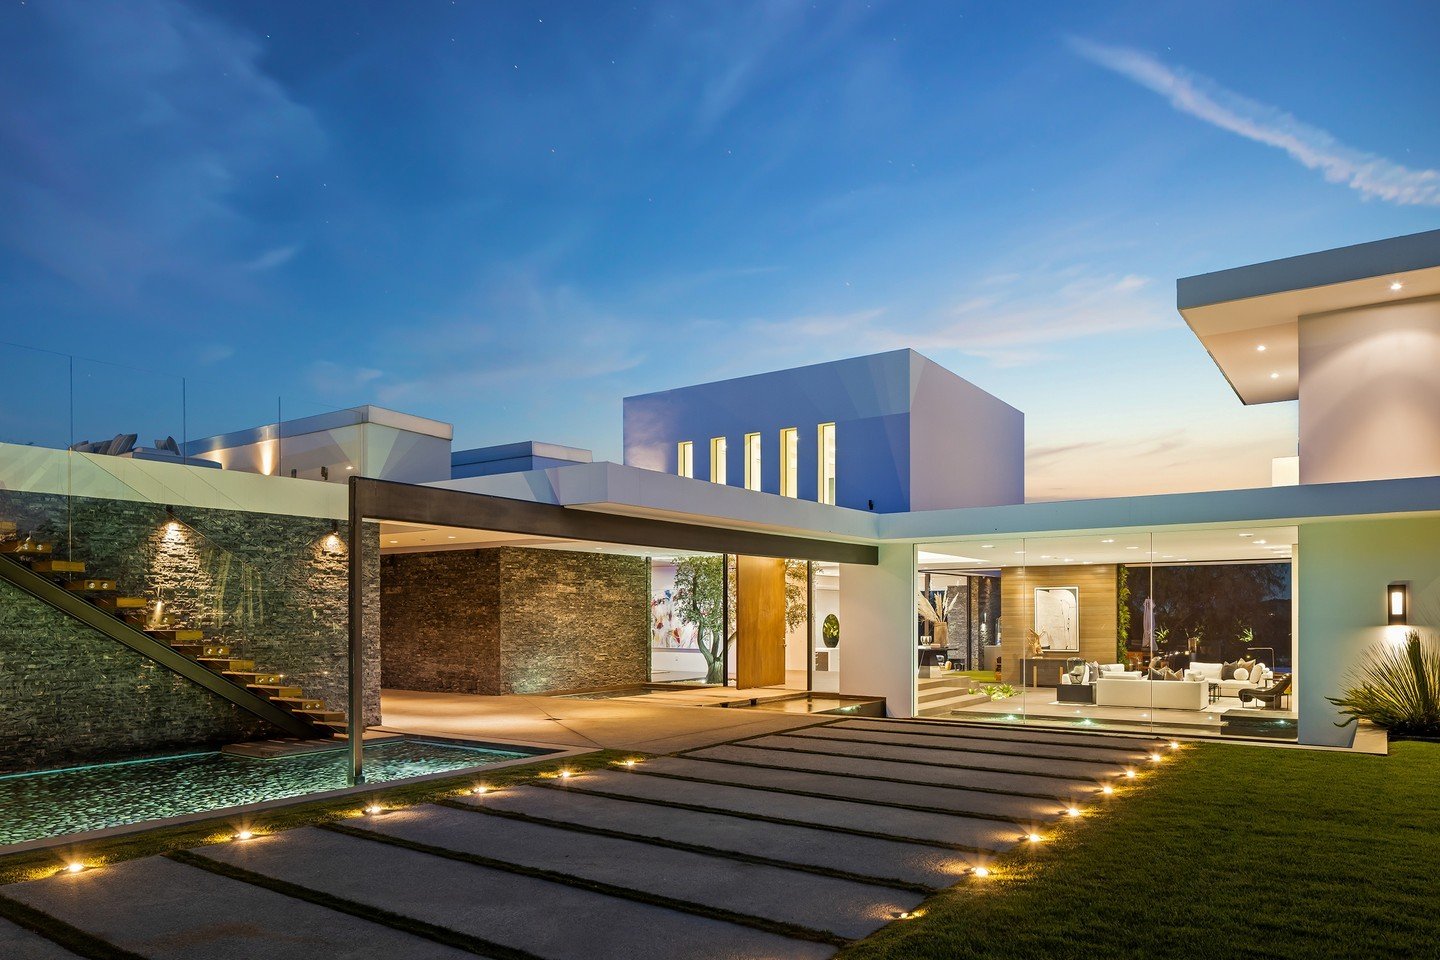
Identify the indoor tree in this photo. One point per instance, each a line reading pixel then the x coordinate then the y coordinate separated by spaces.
pixel 699 601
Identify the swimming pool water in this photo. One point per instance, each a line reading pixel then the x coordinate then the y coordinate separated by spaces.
pixel 74 800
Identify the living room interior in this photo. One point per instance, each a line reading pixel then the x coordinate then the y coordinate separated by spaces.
pixel 1185 631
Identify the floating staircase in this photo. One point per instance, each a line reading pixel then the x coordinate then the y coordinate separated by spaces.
pixel 29 563
pixel 937 696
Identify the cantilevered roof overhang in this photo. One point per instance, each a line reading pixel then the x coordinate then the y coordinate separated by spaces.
pixel 1248 318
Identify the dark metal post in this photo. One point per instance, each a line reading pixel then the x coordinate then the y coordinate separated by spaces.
pixel 725 619
pixel 355 718
pixel 809 625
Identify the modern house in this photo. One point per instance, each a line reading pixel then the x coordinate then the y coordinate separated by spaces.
pixel 857 527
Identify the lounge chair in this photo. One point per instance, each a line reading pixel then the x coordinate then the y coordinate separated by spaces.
pixel 1269 697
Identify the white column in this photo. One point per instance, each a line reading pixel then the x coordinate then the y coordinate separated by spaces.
pixel 877 629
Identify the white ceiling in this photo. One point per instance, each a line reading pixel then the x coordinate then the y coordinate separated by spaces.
pixel 1188 546
pixel 1234 331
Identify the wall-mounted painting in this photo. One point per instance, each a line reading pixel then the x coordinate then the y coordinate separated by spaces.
pixel 1057 618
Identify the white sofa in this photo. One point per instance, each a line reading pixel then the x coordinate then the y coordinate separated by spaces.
pixel 1112 691
pixel 1206 673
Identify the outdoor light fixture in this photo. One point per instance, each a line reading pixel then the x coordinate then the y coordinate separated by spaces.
pixel 1397 604
pixel 1397 286
pixel 1274 375
pixel 1129 774
pixel 75 867
pixel 480 789
pixel 244 835
pixel 1107 789
pixel 1174 745
pixel 565 774
pixel 1034 837
pixel 374 808
pixel 630 764
pixel 980 871
pixel 1260 348
pixel 1072 811
pixel 1155 757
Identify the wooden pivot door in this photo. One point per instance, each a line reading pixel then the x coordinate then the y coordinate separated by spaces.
pixel 759 622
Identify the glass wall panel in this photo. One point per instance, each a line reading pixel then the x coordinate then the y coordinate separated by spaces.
pixel 825 628
pixel 1131 630
pixel 685 459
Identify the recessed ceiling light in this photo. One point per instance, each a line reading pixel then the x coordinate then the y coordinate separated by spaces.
pixel 1247 535
pixel 987 546
pixel 1020 553
pixel 1132 548
pixel 1108 540
pixel 1260 349
pixel 1274 375
pixel 1260 541
pixel 1397 285
pixel 1044 556
pixel 394 541
pixel 450 537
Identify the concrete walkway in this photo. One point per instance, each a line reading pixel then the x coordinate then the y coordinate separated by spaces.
pixel 784 844
pixel 663 722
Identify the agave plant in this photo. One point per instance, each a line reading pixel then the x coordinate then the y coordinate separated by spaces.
pixel 1397 688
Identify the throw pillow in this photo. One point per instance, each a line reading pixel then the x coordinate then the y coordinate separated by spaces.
pixel 1241 673
pixel 1227 670
pixel 1194 673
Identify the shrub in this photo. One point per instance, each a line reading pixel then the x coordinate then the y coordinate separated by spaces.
pixel 1397 688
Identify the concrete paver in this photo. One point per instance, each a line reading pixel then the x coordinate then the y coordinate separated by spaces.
pixel 939 828
pixel 548 919
pixel 865 856
pixel 169 911
pixel 843 907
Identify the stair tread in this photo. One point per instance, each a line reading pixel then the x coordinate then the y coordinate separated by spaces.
pixel 30 549
pixel 90 585
pixel 58 566
pixel 176 633
pixel 124 603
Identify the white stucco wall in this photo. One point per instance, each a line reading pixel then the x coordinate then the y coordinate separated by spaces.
pixel 1370 392
pixel 1343 568
pixel 877 614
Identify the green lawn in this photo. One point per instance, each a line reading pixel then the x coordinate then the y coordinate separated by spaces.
pixel 1231 851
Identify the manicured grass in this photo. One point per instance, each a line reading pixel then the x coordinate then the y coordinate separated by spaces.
pixel 1228 851
pixel 43 863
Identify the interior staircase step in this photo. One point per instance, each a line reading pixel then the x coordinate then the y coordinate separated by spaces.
pixel 325 716
pixel 121 604
pixel 198 650
pixel 225 664
pixel 341 727
pixel 299 704
pixel 252 677
pixel 177 634
pixel 90 585
pixel 27 548
pixel 58 566
pixel 274 690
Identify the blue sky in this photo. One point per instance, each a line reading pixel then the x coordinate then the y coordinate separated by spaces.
pixel 509 216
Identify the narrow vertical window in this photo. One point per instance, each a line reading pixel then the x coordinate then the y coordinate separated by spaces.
pixel 826 458
pixel 752 461
pixel 685 459
pixel 790 462
pixel 717 460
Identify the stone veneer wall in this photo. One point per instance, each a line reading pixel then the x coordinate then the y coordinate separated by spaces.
pixel 514 620
pixel 273 587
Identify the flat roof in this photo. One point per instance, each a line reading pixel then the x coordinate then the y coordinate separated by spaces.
pixel 1248 317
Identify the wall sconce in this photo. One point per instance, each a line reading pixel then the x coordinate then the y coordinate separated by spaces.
pixel 1397 604
pixel 333 543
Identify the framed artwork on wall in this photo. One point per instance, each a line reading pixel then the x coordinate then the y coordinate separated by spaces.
pixel 1057 618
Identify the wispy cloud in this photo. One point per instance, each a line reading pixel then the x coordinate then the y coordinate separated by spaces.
pixel 131 141
pixel 1369 173
pixel 1009 319
pixel 274 257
